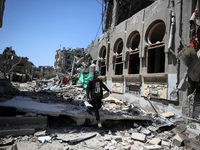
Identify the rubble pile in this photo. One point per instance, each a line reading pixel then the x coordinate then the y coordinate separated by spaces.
pixel 113 106
pixel 49 91
pixel 159 131
pixel 131 136
pixel 82 63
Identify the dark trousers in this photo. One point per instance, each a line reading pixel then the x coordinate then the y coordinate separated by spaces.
pixel 96 103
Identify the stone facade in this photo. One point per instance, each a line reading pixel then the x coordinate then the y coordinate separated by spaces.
pixel 138 53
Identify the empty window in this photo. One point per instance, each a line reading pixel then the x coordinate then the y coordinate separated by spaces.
pixel 156 47
pixel 134 60
pixel 118 57
pixel 102 61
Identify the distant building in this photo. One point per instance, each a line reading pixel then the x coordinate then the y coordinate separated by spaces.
pixel 16 68
pixel 43 72
pixel 64 59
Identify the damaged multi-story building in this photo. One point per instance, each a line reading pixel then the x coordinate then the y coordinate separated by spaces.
pixel 64 59
pixel 17 69
pixel 148 53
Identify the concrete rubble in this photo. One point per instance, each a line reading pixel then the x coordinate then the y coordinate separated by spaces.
pixel 64 136
pixel 69 126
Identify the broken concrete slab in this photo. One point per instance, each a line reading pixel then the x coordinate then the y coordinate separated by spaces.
pixel 177 140
pixel 192 133
pixel 139 137
pixel 153 147
pixel 40 133
pixel 167 114
pixel 160 122
pixel 39 121
pixel 179 129
pixel 75 140
pixel 17 132
pixel 155 141
pixel 26 104
pixel 21 125
pixel 144 131
pixel 165 143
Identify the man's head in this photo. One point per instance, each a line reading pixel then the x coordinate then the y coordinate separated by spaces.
pixel 96 74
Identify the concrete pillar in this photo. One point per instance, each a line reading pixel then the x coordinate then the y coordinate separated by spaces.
pixel 114 14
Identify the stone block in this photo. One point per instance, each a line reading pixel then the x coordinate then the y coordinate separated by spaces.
pixel 192 133
pixel 183 85
pixel 139 137
pixel 177 140
pixel 153 147
pixel 40 133
pixel 165 143
pixel 145 131
pixel 179 129
pixel 155 141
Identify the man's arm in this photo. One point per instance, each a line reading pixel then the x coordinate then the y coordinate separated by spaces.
pixel 105 87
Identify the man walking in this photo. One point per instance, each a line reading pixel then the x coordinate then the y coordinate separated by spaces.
pixel 94 94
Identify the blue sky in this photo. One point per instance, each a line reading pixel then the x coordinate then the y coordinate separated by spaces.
pixel 36 28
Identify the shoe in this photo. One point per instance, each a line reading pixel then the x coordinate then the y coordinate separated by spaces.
pixel 99 125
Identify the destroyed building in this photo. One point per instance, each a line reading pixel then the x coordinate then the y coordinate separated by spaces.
pixel 17 69
pixel 64 59
pixel 148 53
pixel 43 72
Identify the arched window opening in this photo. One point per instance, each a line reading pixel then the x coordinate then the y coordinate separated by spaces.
pixel 156 48
pixel 102 61
pixel 134 60
pixel 118 57
pixel 156 33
